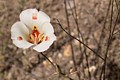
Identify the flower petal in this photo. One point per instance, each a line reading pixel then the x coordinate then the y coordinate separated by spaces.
pixel 22 44
pixel 19 33
pixel 43 17
pixel 19 28
pixel 31 17
pixel 27 17
pixel 47 28
pixel 45 44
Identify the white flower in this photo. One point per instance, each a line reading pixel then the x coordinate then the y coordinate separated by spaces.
pixel 33 29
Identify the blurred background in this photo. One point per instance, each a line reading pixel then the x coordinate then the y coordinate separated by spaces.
pixel 90 50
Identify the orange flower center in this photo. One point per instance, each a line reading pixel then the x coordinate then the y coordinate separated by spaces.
pixel 35 37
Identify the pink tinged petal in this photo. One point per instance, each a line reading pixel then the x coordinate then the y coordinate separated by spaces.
pixel 29 17
pixel 43 46
pixel 47 28
pixel 19 33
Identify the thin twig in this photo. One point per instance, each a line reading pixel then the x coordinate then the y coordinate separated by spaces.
pixel 117 4
pixel 100 39
pixel 68 24
pixel 116 32
pixel 48 60
pixel 79 40
pixel 57 67
pixel 79 34
pixel 109 39
pixel 102 31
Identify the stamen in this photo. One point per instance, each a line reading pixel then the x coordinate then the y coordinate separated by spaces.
pixel 41 38
pixel 35 37
pixel 35 31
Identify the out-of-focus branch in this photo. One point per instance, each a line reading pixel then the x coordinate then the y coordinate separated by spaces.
pixel 79 36
pixel 79 40
pixel 111 33
pixel 69 29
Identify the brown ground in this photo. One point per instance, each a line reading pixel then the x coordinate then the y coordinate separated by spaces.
pixel 14 65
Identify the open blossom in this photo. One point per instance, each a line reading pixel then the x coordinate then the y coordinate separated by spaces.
pixel 33 29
